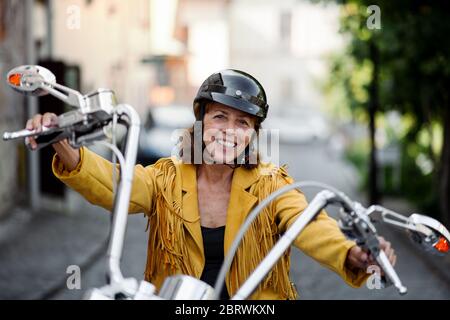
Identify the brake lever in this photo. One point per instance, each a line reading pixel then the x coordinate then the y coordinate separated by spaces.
pixel 43 138
pixel 390 273
pixel 80 129
pixel 14 135
pixel 359 226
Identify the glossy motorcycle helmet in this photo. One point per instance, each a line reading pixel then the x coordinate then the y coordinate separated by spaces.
pixel 233 88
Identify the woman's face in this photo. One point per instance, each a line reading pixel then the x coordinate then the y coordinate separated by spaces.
pixel 227 132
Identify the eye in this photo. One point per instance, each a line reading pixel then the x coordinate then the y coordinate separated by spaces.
pixel 218 116
pixel 243 122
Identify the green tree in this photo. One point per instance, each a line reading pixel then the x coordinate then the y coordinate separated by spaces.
pixel 408 63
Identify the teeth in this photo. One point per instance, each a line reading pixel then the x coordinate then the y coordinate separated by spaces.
pixel 226 143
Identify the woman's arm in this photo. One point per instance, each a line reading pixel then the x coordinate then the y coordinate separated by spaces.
pixel 92 178
pixel 321 239
pixel 69 156
pixel 90 174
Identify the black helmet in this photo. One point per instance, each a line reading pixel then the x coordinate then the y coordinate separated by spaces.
pixel 235 89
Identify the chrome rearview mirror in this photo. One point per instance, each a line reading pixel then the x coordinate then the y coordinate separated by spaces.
pixel 31 80
pixel 39 81
pixel 430 234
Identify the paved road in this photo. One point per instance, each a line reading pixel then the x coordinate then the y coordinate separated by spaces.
pixel 36 250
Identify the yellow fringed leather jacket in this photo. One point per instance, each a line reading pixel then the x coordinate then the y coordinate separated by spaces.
pixel 166 192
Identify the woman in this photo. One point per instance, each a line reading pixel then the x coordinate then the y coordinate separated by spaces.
pixel 195 209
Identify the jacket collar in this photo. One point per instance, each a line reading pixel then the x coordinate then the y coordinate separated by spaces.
pixel 240 205
pixel 242 177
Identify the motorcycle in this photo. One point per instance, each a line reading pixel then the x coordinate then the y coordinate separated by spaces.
pixel 94 120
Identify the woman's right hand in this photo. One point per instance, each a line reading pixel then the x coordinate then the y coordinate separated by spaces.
pixel 37 122
pixel 68 155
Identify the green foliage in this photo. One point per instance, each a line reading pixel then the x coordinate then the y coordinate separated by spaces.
pixel 357 155
pixel 418 184
pixel 414 79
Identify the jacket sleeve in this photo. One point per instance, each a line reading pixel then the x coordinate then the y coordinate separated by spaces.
pixel 321 239
pixel 92 178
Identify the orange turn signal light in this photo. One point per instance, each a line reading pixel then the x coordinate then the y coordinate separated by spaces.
pixel 15 79
pixel 442 245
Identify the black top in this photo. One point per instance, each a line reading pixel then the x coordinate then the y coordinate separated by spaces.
pixel 213 246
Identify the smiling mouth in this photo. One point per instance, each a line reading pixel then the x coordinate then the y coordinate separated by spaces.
pixel 226 143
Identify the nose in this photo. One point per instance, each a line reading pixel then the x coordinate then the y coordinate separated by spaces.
pixel 228 128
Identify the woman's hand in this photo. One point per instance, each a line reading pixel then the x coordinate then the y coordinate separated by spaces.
pixel 37 122
pixel 69 156
pixel 359 259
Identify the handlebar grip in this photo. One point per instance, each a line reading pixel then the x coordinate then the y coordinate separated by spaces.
pixel 390 272
pixel 44 138
pixel 51 138
pixel 28 133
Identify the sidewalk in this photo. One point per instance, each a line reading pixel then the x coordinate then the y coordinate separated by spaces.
pixel 36 249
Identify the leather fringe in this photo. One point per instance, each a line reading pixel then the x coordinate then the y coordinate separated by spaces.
pixel 167 251
pixel 260 239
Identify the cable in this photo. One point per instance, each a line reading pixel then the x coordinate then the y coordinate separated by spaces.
pixel 114 123
pixel 119 156
pixel 97 254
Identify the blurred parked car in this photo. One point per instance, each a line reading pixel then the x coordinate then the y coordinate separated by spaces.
pixel 156 136
pixel 303 126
